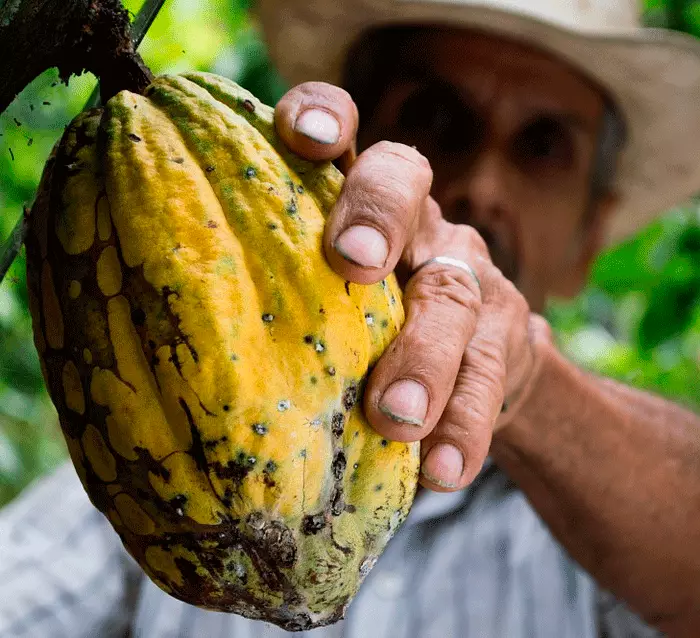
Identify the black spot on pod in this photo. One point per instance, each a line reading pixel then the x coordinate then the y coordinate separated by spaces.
pixel 270 466
pixel 249 106
pixel 384 443
pixel 308 339
pixel 337 503
pixel 331 371
pixel 138 316
pixel 250 172
pixel 337 423
pixel 133 137
pixel 347 287
pixel 267 317
pixel 312 524
pixel 339 465
pixel 259 428
pixel 350 397
pixel 209 169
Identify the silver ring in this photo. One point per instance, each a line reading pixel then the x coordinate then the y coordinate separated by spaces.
pixel 451 261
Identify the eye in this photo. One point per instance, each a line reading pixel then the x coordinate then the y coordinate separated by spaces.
pixel 545 143
pixel 435 119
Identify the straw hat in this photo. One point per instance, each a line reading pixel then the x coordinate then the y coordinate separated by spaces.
pixel 653 75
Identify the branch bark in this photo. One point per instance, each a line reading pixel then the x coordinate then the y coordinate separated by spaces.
pixel 72 35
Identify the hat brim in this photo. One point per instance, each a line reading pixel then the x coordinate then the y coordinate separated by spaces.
pixel 653 75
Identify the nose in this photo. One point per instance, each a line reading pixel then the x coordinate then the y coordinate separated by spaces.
pixel 480 194
pixel 478 189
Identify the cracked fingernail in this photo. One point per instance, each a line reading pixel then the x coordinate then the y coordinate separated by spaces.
pixel 363 246
pixel 443 465
pixel 405 401
pixel 320 126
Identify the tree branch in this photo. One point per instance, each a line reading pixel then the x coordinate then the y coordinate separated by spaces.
pixel 72 35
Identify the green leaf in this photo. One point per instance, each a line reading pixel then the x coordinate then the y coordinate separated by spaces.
pixel 670 312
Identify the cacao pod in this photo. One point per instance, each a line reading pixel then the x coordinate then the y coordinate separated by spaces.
pixel 206 363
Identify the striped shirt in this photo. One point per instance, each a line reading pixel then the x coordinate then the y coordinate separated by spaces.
pixel 473 564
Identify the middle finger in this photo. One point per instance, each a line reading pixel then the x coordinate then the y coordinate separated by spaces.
pixel 377 211
pixel 413 380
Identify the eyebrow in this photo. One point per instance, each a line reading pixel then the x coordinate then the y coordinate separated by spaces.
pixel 411 71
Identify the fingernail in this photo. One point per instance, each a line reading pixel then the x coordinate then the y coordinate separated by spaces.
pixel 443 465
pixel 318 125
pixel 405 401
pixel 364 246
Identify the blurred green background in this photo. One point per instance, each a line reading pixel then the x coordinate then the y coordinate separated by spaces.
pixel 638 320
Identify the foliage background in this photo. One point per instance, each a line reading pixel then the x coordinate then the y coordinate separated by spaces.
pixel 638 320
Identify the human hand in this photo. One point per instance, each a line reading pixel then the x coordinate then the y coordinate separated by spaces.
pixel 466 348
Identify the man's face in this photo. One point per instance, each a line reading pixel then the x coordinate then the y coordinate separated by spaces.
pixel 511 134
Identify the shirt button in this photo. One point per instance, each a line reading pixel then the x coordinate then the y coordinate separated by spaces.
pixel 389 585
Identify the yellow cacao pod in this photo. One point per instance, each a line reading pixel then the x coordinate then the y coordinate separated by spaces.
pixel 206 363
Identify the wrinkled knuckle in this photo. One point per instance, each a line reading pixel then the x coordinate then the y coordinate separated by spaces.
pixel 489 362
pixel 406 154
pixel 392 192
pixel 471 406
pixel 477 399
pixel 426 341
pixel 322 89
pixel 380 206
pixel 447 284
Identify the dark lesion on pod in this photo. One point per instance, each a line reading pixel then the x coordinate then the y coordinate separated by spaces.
pixel 350 397
pixel 337 502
pixel 313 524
pixel 268 473
pixel 138 316
pixel 338 466
pixel 274 538
pixel 337 424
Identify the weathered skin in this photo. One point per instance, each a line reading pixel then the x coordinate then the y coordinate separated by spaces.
pixel 206 362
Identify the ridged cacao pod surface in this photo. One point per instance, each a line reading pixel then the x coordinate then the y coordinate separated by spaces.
pixel 206 363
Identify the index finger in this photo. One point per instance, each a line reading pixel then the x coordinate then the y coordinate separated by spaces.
pixel 317 121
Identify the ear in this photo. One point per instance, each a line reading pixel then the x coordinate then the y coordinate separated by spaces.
pixel 589 243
